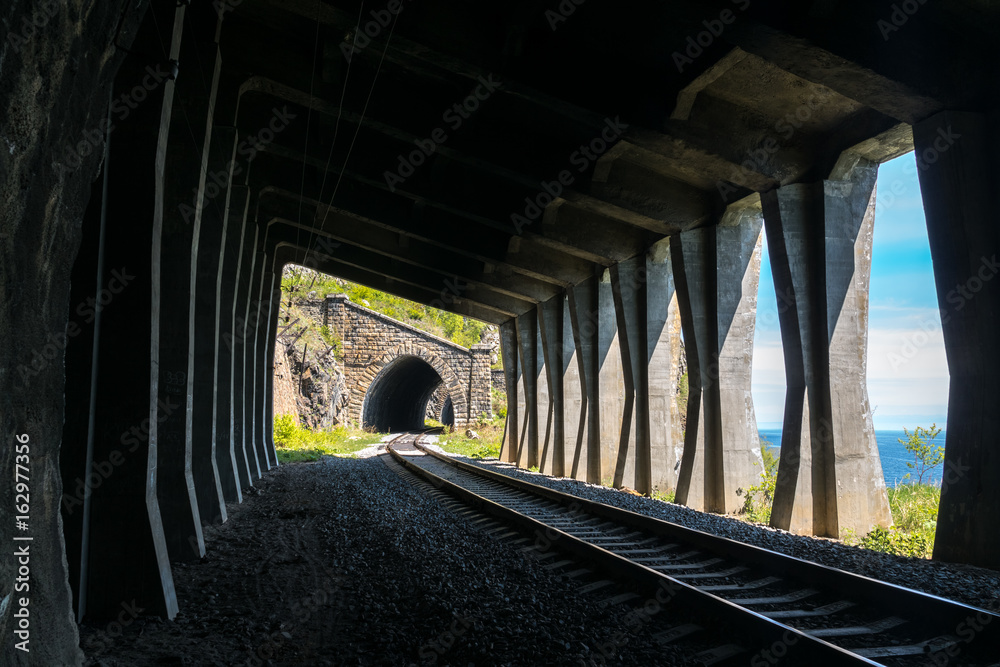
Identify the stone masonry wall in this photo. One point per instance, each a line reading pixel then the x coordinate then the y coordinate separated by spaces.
pixel 371 340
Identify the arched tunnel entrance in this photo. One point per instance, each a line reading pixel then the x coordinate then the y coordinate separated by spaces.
pixel 397 398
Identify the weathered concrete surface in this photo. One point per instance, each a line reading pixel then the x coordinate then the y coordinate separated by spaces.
pixel 583 303
pixel 512 374
pixel 529 357
pixel 960 183
pixel 819 238
pixel 647 314
pixel 55 93
pixel 551 345
pixel 717 271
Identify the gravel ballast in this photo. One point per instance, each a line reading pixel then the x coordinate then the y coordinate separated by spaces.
pixel 975 586
pixel 342 562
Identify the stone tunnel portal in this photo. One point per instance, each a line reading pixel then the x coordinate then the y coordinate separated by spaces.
pixel 397 398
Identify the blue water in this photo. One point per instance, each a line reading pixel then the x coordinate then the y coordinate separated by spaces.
pixel 893 454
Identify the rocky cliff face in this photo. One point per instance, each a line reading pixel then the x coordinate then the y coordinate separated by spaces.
pixel 308 381
pixel 57 61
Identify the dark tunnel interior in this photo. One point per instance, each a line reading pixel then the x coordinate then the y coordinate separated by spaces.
pixel 397 398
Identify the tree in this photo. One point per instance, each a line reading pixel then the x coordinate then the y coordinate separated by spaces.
pixel 925 456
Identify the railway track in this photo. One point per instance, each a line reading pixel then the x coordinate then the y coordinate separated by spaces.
pixel 770 608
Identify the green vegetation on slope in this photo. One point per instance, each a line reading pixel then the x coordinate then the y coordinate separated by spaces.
pixel 914 506
pixel 298 282
pixel 295 444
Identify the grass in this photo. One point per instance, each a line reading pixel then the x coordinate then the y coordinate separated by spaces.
pixel 295 444
pixel 666 497
pixel 914 510
pixel 487 446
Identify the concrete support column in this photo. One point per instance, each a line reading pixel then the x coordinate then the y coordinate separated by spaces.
pixel 512 374
pixel 206 287
pixel 245 462
pixel 611 383
pixel 527 343
pixel 632 464
pixel 229 265
pixel 717 271
pixel 574 397
pixel 585 317
pixel 270 336
pixel 550 328
pixel 663 350
pixel 248 337
pixel 819 238
pixel 960 183
pixel 264 365
pixel 125 554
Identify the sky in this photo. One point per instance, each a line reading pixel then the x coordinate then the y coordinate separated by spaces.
pixel 907 368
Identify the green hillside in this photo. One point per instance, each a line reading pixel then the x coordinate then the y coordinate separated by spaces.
pixel 297 281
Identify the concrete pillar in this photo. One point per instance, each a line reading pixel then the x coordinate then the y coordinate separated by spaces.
pixel 264 365
pixel 229 265
pixel 819 238
pixel 611 384
pixel 206 287
pixel 125 550
pixel 269 337
pixel 511 372
pixel 959 179
pixel 717 270
pixel 585 317
pixel 245 459
pixel 574 397
pixel 551 341
pixel 650 444
pixel 528 355
pixel 249 330
pixel 663 350
pixel 632 464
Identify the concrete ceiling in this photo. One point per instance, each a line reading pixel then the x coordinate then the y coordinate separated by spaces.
pixel 651 132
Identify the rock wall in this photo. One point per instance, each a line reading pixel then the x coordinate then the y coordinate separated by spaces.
pixel 57 61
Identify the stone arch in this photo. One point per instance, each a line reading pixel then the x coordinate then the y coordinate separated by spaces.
pixel 449 377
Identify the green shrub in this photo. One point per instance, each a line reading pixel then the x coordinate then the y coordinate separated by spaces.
pixel 498 400
pixel 295 443
pixel 896 541
pixel 758 499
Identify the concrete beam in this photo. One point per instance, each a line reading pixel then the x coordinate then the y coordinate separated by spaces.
pixel 530 363
pixel 820 238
